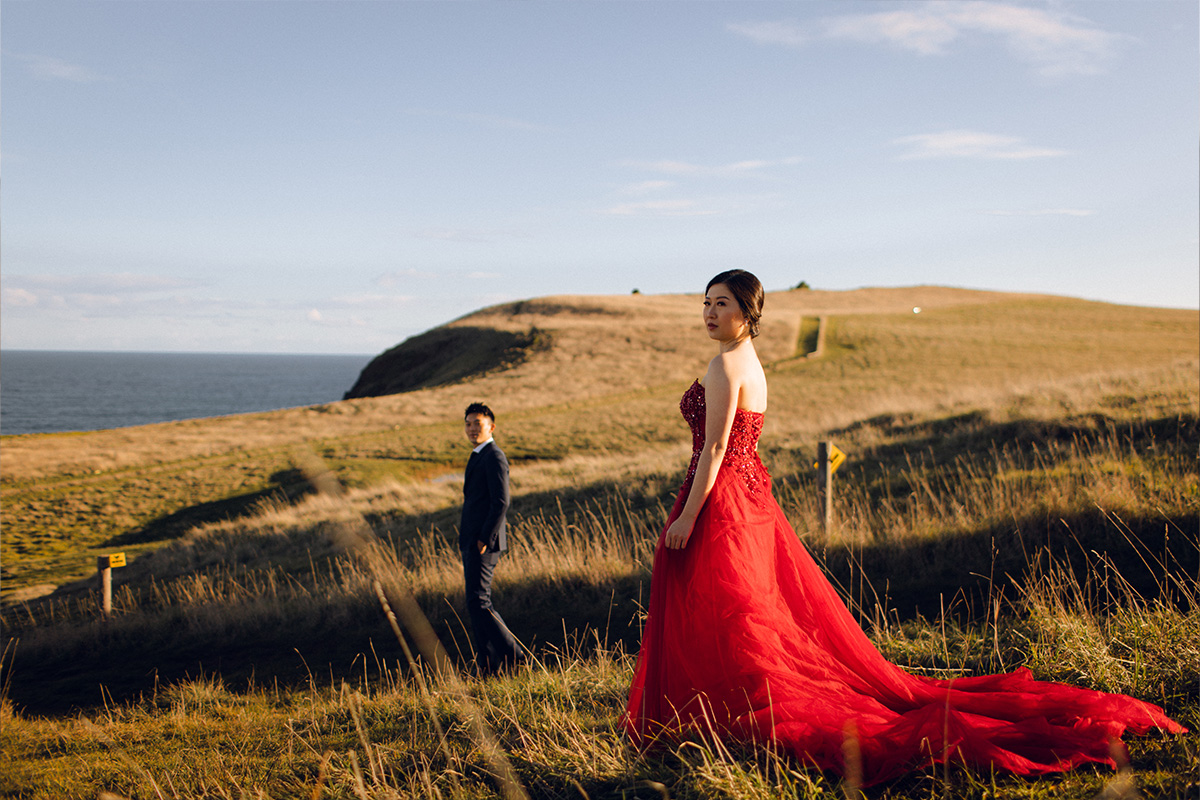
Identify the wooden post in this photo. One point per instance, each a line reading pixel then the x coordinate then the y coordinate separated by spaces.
pixel 105 585
pixel 105 564
pixel 825 483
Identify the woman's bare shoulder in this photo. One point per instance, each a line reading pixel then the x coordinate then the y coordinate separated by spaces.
pixel 736 365
pixel 722 368
pixel 743 374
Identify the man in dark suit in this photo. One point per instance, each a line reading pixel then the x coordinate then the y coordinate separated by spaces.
pixel 481 538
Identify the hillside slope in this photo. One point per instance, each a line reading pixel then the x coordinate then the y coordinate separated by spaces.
pixel 600 378
pixel 598 345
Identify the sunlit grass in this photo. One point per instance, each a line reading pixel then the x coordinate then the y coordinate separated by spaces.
pixel 1006 503
pixel 599 392
pixel 587 552
pixel 557 721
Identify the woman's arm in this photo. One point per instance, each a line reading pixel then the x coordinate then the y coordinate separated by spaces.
pixel 720 401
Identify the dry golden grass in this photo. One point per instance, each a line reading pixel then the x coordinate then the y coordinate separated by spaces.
pixel 600 399
pixel 1122 449
pixel 601 345
pixel 386 732
pixel 974 452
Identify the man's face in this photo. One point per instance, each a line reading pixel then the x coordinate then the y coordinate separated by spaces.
pixel 479 428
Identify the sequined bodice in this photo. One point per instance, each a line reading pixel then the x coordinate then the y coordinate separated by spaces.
pixel 741 452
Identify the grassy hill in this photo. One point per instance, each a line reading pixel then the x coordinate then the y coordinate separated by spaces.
pixel 1021 489
pixel 619 361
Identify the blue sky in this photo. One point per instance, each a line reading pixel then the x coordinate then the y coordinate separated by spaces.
pixel 332 177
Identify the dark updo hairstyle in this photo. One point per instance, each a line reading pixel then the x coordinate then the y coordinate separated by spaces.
pixel 748 292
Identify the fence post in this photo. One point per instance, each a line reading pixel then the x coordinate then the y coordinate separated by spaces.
pixel 105 585
pixel 104 565
pixel 825 483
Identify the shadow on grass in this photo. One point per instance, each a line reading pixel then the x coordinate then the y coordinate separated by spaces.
pixel 959 570
pixel 324 644
pixel 974 432
pixel 309 645
pixel 286 487
pixel 960 573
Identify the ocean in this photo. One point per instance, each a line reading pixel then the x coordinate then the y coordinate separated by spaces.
pixel 47 391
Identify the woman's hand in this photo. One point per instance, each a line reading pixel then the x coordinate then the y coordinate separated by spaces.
pixel 678 533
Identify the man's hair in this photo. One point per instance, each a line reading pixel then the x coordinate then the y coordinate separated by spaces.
pixel 747 291
pixel 479 408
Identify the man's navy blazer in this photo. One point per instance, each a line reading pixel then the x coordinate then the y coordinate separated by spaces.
pixel 485 500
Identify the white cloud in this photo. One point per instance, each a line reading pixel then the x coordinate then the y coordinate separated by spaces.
pixel 710 203
pixel 669 167
pixel 55 69
pixel 971 144
pixel 370 300
pixel 785 32
pixel 324 321
pixel 92 294
pixel 18 298
pixel 919 31
pixel 96 302
pixel 407 277
pixel 471 235
pixel 402 276
pixel 1054 44
pixel 647 187
pixel 1044 212
pixel 101 283
pixel 731 170
pixel 659 208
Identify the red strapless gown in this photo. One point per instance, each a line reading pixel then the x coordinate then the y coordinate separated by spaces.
pixel 746 636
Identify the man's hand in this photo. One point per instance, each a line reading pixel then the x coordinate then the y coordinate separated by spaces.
pixel 482 548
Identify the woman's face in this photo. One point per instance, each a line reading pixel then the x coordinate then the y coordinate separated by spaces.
pixel 722 315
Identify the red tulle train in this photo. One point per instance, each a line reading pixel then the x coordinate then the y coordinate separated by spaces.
pixel 746 638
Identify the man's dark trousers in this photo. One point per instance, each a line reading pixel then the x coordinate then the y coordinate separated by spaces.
pixel 485 503
pixel 495 647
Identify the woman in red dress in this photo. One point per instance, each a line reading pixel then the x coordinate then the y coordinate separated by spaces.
pixel 746 637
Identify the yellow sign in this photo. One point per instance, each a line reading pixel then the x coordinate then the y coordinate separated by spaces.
pixel 836 457
pixel 109 561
